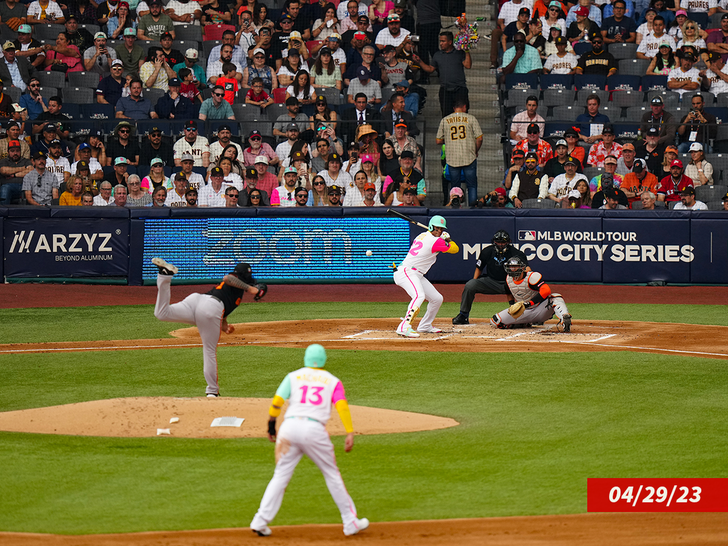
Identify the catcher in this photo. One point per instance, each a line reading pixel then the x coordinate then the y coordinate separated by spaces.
pixel 207 311
pixel 530 298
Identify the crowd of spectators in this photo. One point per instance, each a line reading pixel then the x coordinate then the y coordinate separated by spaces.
pixel 349 74
pixel 589 162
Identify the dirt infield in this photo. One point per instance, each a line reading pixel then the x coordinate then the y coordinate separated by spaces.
pixel 570 530
pixel 479 336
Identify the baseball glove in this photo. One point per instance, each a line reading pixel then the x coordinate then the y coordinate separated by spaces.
pixel 517 309
pixel 262 291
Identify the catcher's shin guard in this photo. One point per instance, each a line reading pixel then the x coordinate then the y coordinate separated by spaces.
pixel 559 305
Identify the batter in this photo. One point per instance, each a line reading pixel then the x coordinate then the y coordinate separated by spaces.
pixel 311 391
pixel 207 311
pixel 531 299
pixel 410 275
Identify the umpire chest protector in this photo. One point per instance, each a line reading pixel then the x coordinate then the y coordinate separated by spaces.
pixel 492 263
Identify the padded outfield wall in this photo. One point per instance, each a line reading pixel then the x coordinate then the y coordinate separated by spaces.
pixel 329 245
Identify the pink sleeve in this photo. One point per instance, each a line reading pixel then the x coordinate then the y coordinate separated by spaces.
pixel 440 246
pixel 339 393
pixel 275 198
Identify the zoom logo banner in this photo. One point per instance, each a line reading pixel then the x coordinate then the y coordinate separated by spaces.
pixel 278 248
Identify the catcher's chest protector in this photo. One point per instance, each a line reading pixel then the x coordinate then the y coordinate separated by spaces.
pixel 526 289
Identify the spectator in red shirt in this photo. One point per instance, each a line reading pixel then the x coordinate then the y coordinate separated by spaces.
pixel 671 186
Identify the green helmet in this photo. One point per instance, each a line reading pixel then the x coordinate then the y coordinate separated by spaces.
pixel 315 356
pixel 436 221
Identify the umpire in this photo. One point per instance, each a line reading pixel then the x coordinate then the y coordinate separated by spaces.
pixel 489 276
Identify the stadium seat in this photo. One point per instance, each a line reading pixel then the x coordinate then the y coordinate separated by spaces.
pixel 625 99
pixel 517 97
pixel 387 93
pixel 275 110
pixel 669 98
pixel 620 82
pixel 265 127
pixel 153 95
pixel 92 29
pixel 721 99
pixel 708 97
pixel 720 166
pixel 721 114
pixel 209 45
pixel 539 204
pixel 244 112
pixel 701 18
pixel 97 111
pixel 715 205
pixel 710 193
pixel 48 92
pixel 634 67
pixel 581 96
pixel 626 131
pixel 555 130
pixel 48 32
pixel 566 114
pixel 556 81
pixel 78 95
pixel 73 111
pixel 521 81
pixel 590 81
pixel 279 95
pixel 7 33
pixel 212 127
pixel 184 45
pixel 623 51
pixel 636 205
pixel 635 113
pixel 582 47
pixel 653 83
pixel 51 79
pixel 83 79
pixel 333 96
pixel 13 92
pixel 214 32
pixel 558 97
pixel 188 32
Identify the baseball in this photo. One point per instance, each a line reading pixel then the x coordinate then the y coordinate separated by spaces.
pixel 369 252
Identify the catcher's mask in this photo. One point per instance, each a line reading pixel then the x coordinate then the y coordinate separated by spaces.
pixel 501 240
pixel 515 267
pixel 244 272
pixel 315 356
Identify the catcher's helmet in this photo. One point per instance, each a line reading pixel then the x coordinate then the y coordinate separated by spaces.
pixel 315 356
pixel 515 267
pixel 244 272
pixel 436 221
pixel 501 240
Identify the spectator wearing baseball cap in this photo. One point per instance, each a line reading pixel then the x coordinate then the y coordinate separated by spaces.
pixel 96 171
pixel 131 53
pixel 555 166
pixel 639 181
pixel 688 201
pixel 651 151
pixel 154 146
pixel 659 117
pixel 155 23
pixel 363 83
pixel 673 184
pixel 173 105
pixel 334 195
pixel 698 169
pixel 518 158
pixel 594 13
pixel 604 148
pixel 194 144
pixel 626 162
pixel 293 114
pixel 257 147
pixel 98 57
pixel 110 88
pixel 612 197
pixel 190 62
pixel 393 33
pixel 598 61
pixel 534 143
pixel 17 167
pixel 267 181
pixel 564 183
pixel 40 185
pixel 531 182
pixel 213 193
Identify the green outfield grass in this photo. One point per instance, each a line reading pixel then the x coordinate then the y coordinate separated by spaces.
pixel 533 427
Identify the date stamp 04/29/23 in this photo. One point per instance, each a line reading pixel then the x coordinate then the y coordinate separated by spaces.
pixel 657 495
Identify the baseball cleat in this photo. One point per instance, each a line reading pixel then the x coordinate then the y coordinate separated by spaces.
pixel 165 268
pixel 263 531
pixel 430 330
pixel 213 395
pixel 566 323
pixel 407 332
pixel 461 319
pixel 358 526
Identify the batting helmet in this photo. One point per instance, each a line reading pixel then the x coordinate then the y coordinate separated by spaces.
pixel 244 272
pixel 315 356
pixel 501 240
pixel 436 221
pixel 515 267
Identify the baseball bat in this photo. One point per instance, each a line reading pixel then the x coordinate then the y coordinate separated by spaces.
pixel 410 220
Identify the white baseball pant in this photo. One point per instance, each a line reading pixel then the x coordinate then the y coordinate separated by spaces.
pixel 296 437
pixel 419 289
pixel 203 311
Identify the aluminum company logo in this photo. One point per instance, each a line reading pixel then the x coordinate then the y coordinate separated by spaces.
pixel 58 243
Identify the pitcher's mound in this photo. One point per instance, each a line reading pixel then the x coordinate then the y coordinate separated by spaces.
pixel 140 417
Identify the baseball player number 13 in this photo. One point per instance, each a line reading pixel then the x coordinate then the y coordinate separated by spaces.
pixel 315 398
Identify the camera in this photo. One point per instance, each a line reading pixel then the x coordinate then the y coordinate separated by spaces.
pixel 455 203
pixel 414 38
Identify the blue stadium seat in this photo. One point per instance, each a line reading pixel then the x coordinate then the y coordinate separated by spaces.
pixel 701 18
pixel 555 130
pixel 653 83
pixel 212 126
pixel 626 131
pixel 73 111
pixel 582 47
pixel 721 114
pixel 590 81
pixel 624 83
pixel 521 81
pixel 557 81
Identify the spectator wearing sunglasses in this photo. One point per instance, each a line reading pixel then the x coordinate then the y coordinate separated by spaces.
pixel 153 146
pixel 194 144
pixel 598 61
pixel 258 148
pixel 216 107
pixel 111 87
pixel 123 145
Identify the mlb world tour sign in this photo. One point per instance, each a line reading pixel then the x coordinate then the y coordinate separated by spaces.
pixel 284 246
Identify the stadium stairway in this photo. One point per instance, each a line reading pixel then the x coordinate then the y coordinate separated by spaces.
pixel 483 92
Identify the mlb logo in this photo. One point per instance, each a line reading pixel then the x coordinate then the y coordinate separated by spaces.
pixel 525 235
